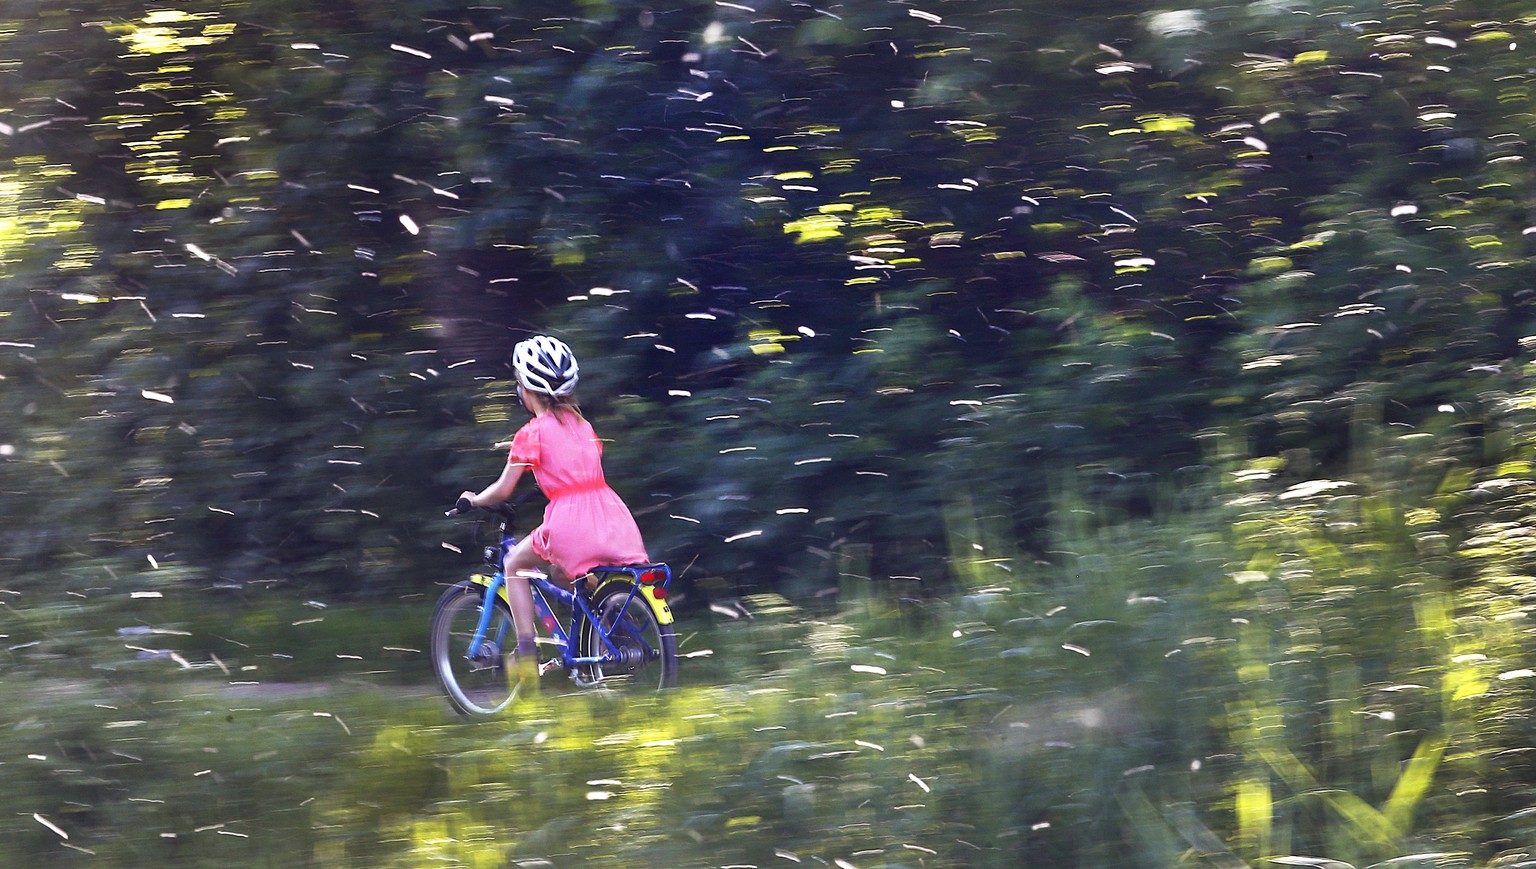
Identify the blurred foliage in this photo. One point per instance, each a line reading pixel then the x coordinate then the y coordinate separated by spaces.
pixel 1126 411
pixel 262 263
pixel 1165 693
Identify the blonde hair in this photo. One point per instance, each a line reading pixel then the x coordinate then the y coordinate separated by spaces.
pixel 559 404
pixel 563 404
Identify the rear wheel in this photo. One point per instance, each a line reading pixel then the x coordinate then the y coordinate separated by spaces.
pixel 644 651
pixel 480 683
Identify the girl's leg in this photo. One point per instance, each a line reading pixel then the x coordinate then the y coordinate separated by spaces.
pixel 518 562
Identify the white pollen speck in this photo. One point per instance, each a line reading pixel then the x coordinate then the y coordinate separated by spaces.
pixel 408 50
pixel 50 825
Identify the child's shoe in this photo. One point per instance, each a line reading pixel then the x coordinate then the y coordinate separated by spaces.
pixel 525 670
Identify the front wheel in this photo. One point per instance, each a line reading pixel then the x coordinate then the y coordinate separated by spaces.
pixel 478 681
pixel 640 651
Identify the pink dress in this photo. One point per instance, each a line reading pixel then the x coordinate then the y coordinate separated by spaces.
pixel 586 523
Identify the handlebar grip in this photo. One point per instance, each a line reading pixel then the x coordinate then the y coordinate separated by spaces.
pixel 463 506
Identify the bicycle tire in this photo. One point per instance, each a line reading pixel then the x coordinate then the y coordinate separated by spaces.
pixel 647 647
pixel 484 685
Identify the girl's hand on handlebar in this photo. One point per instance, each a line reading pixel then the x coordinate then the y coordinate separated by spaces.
pixel 465 504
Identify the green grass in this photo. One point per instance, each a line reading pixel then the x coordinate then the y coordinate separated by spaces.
pixel 1282 679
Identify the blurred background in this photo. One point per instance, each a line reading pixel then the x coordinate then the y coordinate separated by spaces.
pixel 1091 434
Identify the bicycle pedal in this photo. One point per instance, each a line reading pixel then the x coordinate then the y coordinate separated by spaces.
pixel 547 666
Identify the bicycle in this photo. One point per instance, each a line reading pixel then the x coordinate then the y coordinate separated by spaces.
pixel 618 630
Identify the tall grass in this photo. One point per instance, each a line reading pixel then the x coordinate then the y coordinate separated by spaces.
pixel 1304 671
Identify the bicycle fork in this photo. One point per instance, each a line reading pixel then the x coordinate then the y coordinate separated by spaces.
pixel 493 588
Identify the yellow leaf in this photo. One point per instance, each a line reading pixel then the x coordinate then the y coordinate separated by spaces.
pixel 1255 814
pixel 1165 123
pixel 1413 784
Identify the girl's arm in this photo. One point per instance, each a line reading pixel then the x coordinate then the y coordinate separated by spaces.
pixel 500 490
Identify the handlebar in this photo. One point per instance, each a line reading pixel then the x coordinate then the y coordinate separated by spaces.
pixel 506 510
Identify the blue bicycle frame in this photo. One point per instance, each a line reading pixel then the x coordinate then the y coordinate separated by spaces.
pixel 644 583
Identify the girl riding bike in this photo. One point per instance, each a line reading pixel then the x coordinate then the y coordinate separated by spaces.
pixel 586 524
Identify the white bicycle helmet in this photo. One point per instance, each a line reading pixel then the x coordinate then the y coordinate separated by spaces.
pixel 545 365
